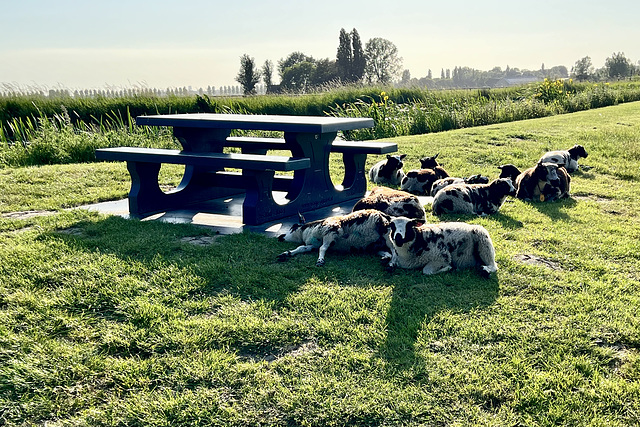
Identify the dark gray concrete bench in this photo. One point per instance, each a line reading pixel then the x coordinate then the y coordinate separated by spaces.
pixel 262 145
pixel 205 159
pixel 204 178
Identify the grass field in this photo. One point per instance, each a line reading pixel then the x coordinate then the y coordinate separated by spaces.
pixel 107 321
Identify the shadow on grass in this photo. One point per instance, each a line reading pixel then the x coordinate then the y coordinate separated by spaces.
pixel 178 275
pixel 418 299
pixel 503 219
pixel 555 210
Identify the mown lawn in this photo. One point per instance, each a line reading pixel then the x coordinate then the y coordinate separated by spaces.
pixel 107 321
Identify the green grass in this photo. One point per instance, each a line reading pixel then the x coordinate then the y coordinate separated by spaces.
pixel 107 321
pixel 36 130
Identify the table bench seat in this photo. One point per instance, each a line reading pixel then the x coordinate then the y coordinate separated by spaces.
pixel 213 171
pixel 204 179
pixel 206 159
pixel 254 144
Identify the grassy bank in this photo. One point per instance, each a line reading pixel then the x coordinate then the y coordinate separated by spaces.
pixel 106 321
pixel 40 130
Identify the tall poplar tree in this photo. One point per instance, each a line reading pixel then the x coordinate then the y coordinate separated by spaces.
pixel 267 74
pixel 344 57
pixel 359 61
pixel 248 76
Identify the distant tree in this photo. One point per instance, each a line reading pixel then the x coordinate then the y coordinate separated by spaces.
pixel 442 73
pixel 248 76
pixel 298 77
pixel 558 72
pixel 344 57
pixel 429 75
pixel 583 69
pixel 383 62
pixel 291 60
pixel 406 78
pixel 267 73
pixel 618 66
pixel 325 71
pixel 359 61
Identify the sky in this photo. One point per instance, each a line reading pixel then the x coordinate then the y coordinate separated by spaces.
pixel 198 43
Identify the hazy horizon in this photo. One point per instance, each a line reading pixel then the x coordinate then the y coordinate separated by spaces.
pixel 82 45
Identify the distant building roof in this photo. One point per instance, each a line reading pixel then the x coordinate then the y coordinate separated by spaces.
pixel 516 81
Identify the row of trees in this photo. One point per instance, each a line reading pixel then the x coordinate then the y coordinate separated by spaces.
pixel 466 77
pixel 616 67
pixel 378 62
pixel 12 91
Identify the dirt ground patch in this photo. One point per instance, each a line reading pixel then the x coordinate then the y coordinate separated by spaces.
pixel 536 260
pixel 199 240
pixel 26 214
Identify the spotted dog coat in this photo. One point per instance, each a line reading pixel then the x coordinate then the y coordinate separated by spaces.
pixel 388 171
pixel 392 202
pixel 437 248
pixel 567 158
pixel 544 182
pixel 480 199
pixel 439 184
pixel 359 231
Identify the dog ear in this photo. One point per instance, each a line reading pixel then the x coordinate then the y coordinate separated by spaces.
pixel 301 218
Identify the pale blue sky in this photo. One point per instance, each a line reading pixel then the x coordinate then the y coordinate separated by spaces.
pixel 124 43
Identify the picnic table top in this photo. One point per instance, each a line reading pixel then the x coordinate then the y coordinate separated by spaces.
pixel 307 124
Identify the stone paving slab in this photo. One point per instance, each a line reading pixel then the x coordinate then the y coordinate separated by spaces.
pixel 225 215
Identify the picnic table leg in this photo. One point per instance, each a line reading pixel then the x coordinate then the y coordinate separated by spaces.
pixel 145 194
pixel 146 197
pixel 201 140
pixel 355 180
pixel 258 206
pixel 196 184
pixel 313 188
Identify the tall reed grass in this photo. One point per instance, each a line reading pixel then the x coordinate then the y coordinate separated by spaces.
pixel 57 140
pixel 34 133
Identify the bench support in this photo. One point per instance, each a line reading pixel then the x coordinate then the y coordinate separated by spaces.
pixel 146 197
